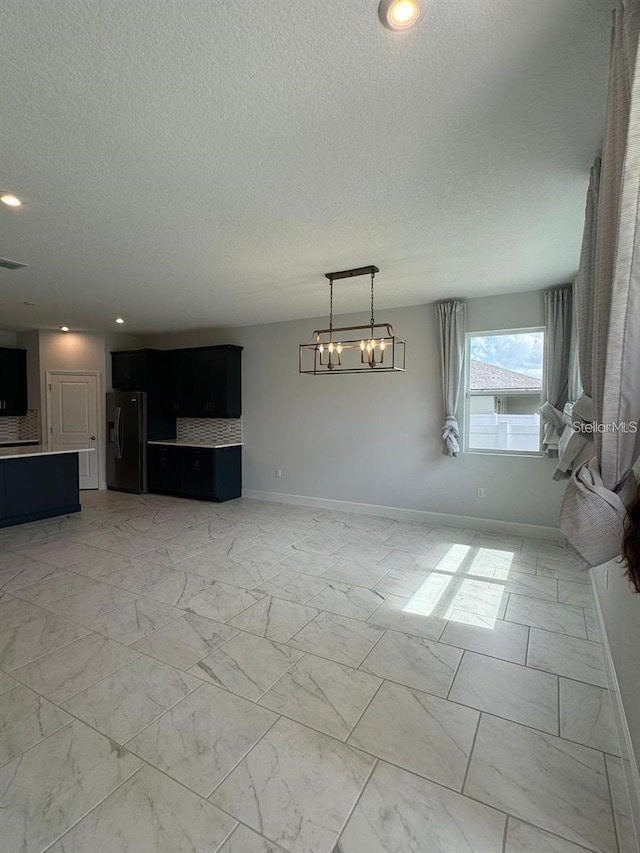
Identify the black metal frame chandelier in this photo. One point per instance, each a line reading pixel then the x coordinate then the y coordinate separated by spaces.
pixel 369 348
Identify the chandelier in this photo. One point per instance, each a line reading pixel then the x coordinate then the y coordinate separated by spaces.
pixel 368 348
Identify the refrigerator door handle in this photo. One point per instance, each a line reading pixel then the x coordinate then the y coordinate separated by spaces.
pixel 118 435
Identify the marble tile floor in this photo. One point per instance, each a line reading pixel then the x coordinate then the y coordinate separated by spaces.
pixel 249 677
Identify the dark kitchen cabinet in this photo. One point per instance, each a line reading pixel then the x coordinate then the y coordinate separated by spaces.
pixel 213 474
pixel 164 469
pixel 228 473
pixel 183 377
pixel 135 370
pixel 13 381
pixel 198 471
pixel 206 382
pixel 146 370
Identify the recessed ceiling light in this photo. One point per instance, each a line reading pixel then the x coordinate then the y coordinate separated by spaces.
pixel 399 14
pixel 10 200
pixel 64 328
pixel 119 320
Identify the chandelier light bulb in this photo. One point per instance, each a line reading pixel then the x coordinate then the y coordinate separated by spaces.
pixel 399 15
pixel 10 200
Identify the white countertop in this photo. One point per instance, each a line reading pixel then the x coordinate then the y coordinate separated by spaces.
pixel 41 450
pixel 174 442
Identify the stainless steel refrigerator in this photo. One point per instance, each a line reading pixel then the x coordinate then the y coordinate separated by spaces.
pixel 127 441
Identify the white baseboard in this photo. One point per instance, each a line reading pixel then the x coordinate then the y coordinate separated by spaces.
pixel 437 519
pixel 632 777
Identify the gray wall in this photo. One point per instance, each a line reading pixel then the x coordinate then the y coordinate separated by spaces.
pixel 620 608
pixel 8 339
pixel 376 439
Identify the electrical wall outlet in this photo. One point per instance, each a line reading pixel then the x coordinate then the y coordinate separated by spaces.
pixel 480 493
pixel 278 473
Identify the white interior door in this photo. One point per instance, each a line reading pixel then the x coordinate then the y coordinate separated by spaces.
pixel 73 419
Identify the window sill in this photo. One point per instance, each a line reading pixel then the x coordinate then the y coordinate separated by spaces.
pixel 527 454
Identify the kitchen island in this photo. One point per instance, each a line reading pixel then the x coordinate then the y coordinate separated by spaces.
pixel 38 482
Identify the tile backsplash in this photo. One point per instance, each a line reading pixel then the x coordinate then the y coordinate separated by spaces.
pixel 22 428
pixel 209 429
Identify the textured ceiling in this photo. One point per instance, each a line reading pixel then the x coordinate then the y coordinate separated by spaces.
pixel 192 163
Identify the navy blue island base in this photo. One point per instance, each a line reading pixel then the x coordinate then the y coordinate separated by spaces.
pixel 38 486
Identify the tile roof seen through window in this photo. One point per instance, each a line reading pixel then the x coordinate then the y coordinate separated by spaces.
pixel 490 377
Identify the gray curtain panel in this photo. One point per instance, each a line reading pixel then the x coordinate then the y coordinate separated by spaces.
pixel 557 357
pixel 578 448
pixel 574 393
pixel 594 505
pixel 450 317
pixel 575 383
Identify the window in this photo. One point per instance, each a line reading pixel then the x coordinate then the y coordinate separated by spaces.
pixel 503 391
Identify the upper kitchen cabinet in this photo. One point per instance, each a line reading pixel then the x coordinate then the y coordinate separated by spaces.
pixel 13 381
pixel 135 370
pixel 207 382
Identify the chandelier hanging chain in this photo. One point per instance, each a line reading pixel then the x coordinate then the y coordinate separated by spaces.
pixel 373 275
pixel 330 309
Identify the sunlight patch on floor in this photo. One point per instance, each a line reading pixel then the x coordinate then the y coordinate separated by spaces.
pixel 455 590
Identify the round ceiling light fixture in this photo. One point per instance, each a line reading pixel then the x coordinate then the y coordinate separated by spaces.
pixel 64 328
pixel 119 321
pixel 10 199
pixel 399 15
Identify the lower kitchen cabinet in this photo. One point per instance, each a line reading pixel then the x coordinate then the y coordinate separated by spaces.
pixel 213 474
pixel 163 469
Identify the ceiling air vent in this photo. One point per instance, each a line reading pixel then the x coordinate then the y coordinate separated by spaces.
pixel 11 265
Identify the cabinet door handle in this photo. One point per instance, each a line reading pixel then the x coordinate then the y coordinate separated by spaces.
pixel 196 465
pixel 162 462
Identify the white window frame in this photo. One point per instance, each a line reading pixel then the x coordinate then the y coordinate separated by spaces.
pixel 466 406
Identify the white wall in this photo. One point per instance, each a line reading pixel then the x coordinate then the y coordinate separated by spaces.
pixel 75 351
pixel 376 439
pixel 481 405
